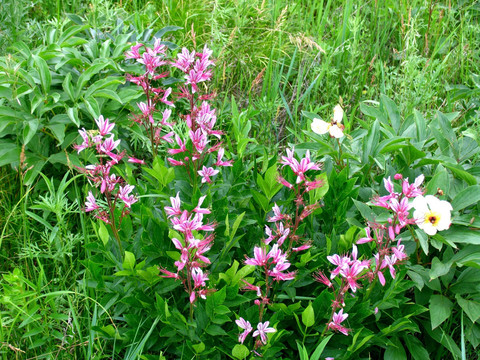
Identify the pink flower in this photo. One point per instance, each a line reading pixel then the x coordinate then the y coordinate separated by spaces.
pixel 260 257
pixel 220 162
pixel 85 144
pixel 133 160
pixel 198 208
pixel 246 326
pixel 205 173
pixel 109 145
pixel 133 52
pixel 184 60
pixel 299 168
pixel 165 96
pixel 91 203
pixel 262 330
pixel 337 319
pixel 124 194
pixel 277 214
pixel 174 210
pixel 320 277
pixel 104 125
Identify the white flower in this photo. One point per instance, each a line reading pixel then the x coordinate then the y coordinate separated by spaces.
pixel 335 128
pixel 432 214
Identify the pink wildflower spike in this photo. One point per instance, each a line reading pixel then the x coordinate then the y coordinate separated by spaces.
pixel 91 203
pixel 133 160
pixel 251 287
pixel 337 319
pixel 366 239
pixel 85 144
pixel 109 144
pixel 124 194
pixel 133 52
pixel 262 330
pixel 175 162
pixel 399 251
pixel 168 274
pixel 277 214
pixel 200 210
pixel 165 116
pixel 270 237
pixel 174 210
pixel 305 246
pixel 146 111
pixel 184 60
pixel 205 173
pixel 413 190
pixel 284 182
pixel 283 234
pixel 104 125
pixel 199 277
pixel 260 257
pixel 168 137
pixel 388 185
pixel 220 162
pixel 179 143
pixel 321 278
pixel 199 139
pixel 165 96
pixel 246 326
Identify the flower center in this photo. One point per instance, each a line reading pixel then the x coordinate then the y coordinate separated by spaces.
pixel 432 218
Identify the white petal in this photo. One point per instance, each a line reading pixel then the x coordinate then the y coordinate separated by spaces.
pixel 337 114
pixel 336 132
pixel 420 205
pixel 319 126
pixel 428 228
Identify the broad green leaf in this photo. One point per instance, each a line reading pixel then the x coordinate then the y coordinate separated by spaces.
pixel 318 351
pixel 370 142
pixel 240 351
pixel 103 233
pixel 365 210
pixel 129 261
pixel 466 197
pixel 471 308
pixel 308 316
pixel 438 268
pixel 395 352
pixel 423 239
pixel 459 172
pixel 44 72
pixel 29 130
pixel 416 348
pixel 68 87
pixel 440 309
pixel 392 111
pixel 87 75
pixel 460 234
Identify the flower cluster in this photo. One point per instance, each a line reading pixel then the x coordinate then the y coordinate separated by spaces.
pixel 262 330
pixel 192 247
pixel 202 139
pixel 152 58
pixel 113 188
pixel 431 214
pixel 269 256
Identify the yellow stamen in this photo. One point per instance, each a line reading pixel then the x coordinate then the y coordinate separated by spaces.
pixel 432 217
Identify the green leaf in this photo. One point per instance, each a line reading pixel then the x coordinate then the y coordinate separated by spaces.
pixel 199 348
pixel 440 309
pixel 371 142
pixel 29 130
pixel 240 351
pixel 471 308
pixel 87 75
pixel 458 171
pixel 392 111
pixel 166 29
pixel 365 210
pixel 416 348
pixel 44 72
pixel 308 316
pixel 396 352
pixel 318 351
pixel 460 234
pixel 68 87
pixel 423 239
pixel 215 330
pixel 129 261
pixel 466 197
pixel 438 268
